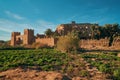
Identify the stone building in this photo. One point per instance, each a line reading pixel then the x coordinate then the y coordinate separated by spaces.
pixel 84 28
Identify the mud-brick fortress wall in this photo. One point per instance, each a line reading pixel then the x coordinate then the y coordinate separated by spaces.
pixel 47 41
pixel 102 44
pixel 27 38
pixel 13 38
pixel 94 44
pixel 116 43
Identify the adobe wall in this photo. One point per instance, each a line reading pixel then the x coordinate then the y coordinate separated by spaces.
pixel 102 44
pixel 14 40
pixel 94 44
pixel 47 41
pixel 116 43
pixel 28 38
pixel 19 39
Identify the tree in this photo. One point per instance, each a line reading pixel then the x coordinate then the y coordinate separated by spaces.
pixel 95 32
pixel 109 30
pixel 116 30
pixel 112 29
pixel 49 33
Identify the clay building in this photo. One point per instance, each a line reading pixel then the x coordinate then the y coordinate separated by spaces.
pixel 84 28
pixel 28 38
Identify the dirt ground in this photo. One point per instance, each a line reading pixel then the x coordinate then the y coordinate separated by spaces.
pixel 27 74
pixel 32 74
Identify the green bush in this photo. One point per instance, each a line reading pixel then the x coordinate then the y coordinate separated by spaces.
pixel 104 68
pixel 113 53
pixel 116 74
pixel 84 73
pixel 39 45
pixel 68 43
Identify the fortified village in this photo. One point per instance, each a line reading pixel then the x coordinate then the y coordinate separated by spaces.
pixel 28 38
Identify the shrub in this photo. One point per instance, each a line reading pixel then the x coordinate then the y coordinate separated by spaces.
pixel 68 43
pixel 116 74
pixel 38 45
pixel 105 68
pixel 84 73
pixel 113 53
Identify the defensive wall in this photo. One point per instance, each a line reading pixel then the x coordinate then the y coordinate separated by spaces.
pixel 102 44
pixel 47 41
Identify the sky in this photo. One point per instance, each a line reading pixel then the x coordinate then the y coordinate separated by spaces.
pixel 17 15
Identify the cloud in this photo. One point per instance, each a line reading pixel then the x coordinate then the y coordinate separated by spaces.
pixel 15 16
pixel 72 17
pixel 68 19
pixel 5 30
pixel 7 26
pixel 4 35
pixel 45 24
pixel 41 25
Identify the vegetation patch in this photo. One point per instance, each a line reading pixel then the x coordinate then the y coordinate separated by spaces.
pixel 107 63
pixel 46 59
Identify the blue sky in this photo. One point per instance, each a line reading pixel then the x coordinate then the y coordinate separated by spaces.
pixel 16 15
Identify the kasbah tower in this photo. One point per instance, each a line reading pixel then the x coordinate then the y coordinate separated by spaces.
pixel 27 38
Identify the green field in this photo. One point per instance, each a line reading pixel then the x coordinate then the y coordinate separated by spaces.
pixel 52 60
pixel 46 59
